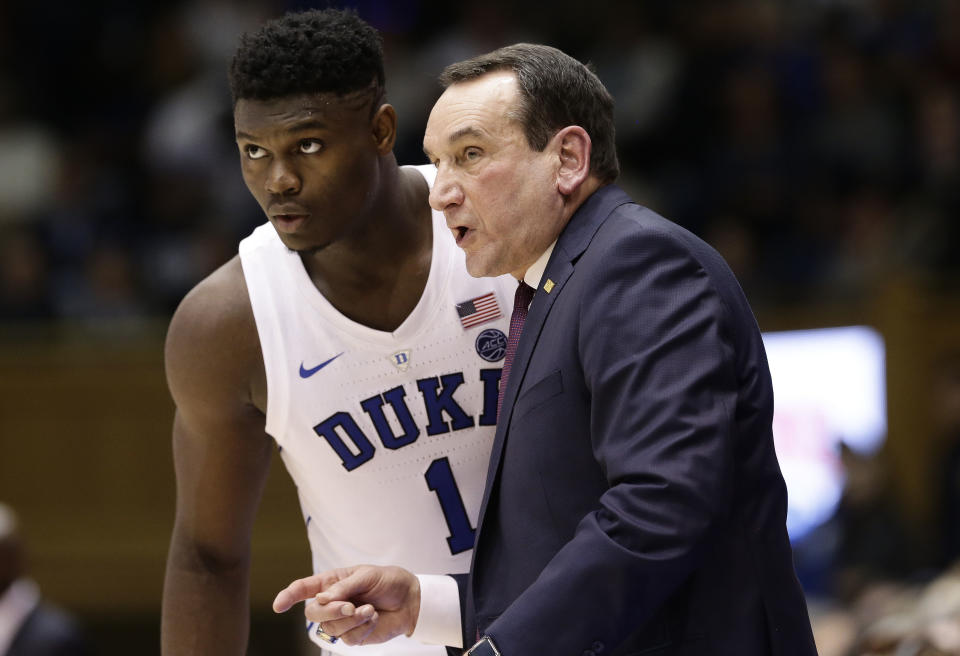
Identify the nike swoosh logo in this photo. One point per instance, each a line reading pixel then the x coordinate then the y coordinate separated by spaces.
pixel 306 373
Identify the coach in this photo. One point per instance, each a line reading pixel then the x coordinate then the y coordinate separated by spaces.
pixel 634 503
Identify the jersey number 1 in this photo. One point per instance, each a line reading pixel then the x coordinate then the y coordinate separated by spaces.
pixel 440 480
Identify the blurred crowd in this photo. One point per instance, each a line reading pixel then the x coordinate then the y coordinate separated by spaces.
pixel 873 588
pixel 815 143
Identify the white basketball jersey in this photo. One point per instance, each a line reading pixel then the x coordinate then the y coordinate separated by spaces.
pixel 386 435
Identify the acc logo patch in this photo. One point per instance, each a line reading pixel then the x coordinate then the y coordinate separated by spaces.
pixel 491 345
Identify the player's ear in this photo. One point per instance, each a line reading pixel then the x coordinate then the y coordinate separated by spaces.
pixel 384 128
pixel 573 146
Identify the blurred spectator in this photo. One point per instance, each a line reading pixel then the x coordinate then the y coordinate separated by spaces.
pixel 28 159
pixel 872 546
pixel 946 413
pixel 105 295
pixel 29 626
pixel 867 238
pixel 934 195
pixel 857 136
pixel 865 543
pixel 24 277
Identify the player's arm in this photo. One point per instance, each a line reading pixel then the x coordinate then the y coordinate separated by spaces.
pixel 221 457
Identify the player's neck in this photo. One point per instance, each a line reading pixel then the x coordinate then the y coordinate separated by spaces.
pixel 376 276
pixel 396 225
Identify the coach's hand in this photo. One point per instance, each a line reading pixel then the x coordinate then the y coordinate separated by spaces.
pixel 364 604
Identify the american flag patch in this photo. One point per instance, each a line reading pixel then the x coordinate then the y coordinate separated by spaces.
pixel 478 310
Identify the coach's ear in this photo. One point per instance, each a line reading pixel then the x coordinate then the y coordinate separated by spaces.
pixel 573 147
pixel 384 124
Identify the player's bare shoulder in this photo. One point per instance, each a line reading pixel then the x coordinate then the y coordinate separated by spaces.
pixel 212 345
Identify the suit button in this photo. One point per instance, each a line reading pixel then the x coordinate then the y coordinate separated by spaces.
pixel 597 646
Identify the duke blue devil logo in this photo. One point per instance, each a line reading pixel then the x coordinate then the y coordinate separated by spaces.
pixel 491 345
pixel 401 359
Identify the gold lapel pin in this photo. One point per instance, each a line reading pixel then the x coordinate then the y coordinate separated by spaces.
pixel 548 286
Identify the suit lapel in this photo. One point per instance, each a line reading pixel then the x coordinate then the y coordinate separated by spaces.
pixel 572 242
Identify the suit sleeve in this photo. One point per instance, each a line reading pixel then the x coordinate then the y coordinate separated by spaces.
pixel 659 370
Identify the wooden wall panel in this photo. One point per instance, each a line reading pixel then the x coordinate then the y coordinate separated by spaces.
pixel 85 459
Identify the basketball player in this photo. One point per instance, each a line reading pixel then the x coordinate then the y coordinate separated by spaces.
pixel 347 333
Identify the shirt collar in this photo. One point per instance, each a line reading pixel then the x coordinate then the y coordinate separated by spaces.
pixel 534 274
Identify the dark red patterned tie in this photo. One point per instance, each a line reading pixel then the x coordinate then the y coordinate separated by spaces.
pixel 521 301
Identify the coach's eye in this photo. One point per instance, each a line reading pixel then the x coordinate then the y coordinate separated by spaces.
pixel 472 153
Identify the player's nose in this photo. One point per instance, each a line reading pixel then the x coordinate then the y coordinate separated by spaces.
pixel 282 180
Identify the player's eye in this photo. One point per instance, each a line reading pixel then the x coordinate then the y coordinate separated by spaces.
pixel 311 146
pixel 254 152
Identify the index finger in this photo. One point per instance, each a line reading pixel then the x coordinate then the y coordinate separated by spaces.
pixel 303 589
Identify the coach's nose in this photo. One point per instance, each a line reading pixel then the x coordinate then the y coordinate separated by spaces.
pixel 446 192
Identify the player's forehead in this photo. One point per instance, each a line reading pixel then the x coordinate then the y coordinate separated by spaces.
pixel 254 117
pixel 483 106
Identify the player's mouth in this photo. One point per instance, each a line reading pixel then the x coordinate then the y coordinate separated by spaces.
pixel 289 223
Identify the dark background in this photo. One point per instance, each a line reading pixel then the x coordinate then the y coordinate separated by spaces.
pixel 815 144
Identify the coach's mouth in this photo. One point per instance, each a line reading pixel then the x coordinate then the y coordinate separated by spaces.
pixel 460 232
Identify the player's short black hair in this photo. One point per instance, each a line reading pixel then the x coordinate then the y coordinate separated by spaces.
pixel 314 51
pixel 556 91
